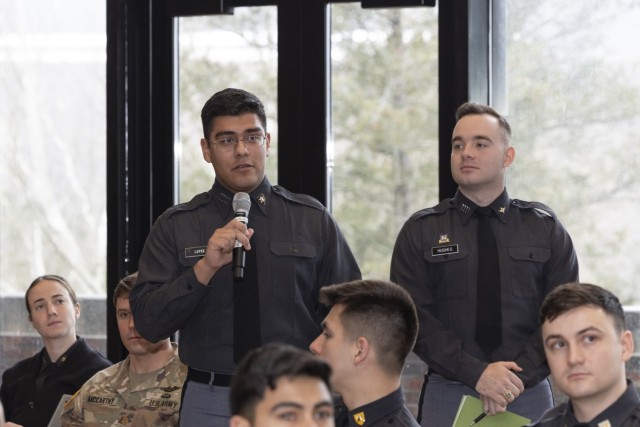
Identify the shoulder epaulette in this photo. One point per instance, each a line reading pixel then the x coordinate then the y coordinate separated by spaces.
pixel 303 199
pixel 197 201
pixel 537 206
pixel 438 209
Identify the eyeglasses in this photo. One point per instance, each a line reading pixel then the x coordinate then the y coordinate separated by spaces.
pixel 229 143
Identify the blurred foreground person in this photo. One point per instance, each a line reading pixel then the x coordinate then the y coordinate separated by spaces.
pixel 280 385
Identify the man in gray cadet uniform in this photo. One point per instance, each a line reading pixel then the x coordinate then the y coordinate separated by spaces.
pixel 478 267
pixel 186 284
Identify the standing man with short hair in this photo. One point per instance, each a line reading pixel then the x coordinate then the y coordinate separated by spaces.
pixel 366 338
pixel 293 248
pixel 587 346
pixel 478 266
pixel 281 385
pixel 143 389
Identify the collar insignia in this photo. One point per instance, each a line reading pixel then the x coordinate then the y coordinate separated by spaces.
pixel 443 239
pixel 224 198
pixel 501 209
pixel 262 199
pixel 465 208
pixel 604 423
pixel 359 418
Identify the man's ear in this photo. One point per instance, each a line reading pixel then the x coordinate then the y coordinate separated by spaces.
pixel 509 156
pixel 268 143
pixel 206 150
pixel 363 349
pixel 627 345
pixel 239 421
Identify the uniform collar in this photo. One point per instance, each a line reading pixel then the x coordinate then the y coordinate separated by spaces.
pixel 46 359
pixel 374 411
pixel 223 198
pixel 614 415
pixel 466 207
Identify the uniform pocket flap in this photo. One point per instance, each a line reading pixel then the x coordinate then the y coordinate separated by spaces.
pixel 297 249
pixel 530 253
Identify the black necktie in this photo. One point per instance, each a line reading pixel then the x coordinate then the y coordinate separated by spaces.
pixel 246 308
pixel 489 301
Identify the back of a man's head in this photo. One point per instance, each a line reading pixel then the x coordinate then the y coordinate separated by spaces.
pixel 380 311
pixel 262 368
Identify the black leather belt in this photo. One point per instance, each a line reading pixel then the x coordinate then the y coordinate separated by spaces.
pixel 204 377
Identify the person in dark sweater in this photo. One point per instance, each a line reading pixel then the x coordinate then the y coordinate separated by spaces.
pixel 32 388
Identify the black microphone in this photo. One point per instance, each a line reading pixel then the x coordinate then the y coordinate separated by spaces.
pixel 241 205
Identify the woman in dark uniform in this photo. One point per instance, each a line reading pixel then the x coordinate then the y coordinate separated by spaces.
pixel 32 388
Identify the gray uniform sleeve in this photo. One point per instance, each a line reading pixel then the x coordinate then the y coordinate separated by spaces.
pixel 338 263
pixel 166 294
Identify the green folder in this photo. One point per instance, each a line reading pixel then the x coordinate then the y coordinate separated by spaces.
pixel 470 407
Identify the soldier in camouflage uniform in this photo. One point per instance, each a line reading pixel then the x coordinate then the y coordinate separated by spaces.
pixel 142 390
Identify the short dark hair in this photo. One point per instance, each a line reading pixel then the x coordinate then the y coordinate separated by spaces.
pixel 123 288
pixel 231 102
pixel 573 295
pixel 55 278
pixel 381 311
pixel 472 108
pixel 263 367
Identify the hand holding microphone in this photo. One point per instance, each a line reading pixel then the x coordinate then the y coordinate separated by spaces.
pixel 225 244
pixel 241 206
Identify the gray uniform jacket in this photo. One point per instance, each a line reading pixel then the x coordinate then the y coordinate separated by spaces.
pixel 299 249
pixel 435 259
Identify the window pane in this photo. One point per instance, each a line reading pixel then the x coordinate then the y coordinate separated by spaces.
pixel 384 141
pixel 216 52
pixel 52 162
pixel 573 103
pixel 384 107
